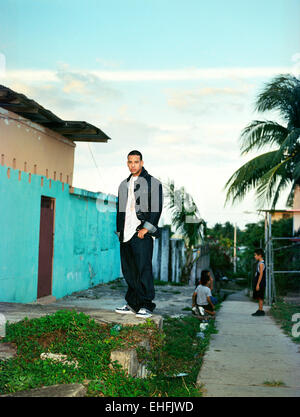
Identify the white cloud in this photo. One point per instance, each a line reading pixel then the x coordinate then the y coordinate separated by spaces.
pixel 86 84
pixel 190 74
pixel 209 99
pixel 68 94
pixel 237 73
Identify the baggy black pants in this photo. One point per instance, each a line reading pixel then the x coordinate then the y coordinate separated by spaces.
pixel 136 263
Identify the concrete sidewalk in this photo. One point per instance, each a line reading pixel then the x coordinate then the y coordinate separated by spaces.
pixel 100 302
pixel 248 351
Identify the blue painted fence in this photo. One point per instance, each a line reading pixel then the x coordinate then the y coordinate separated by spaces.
pixel 86 249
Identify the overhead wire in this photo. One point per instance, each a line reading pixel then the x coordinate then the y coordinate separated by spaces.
pixel 96 165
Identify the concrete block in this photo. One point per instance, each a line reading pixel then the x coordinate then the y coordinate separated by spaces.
pixel 7 351
pixel 58 357
pixel 60 390
pixel 128 359
pixel 108 316
pixel 2 325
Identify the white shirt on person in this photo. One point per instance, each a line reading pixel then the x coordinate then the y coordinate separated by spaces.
pixel 202 293
pixel 131 220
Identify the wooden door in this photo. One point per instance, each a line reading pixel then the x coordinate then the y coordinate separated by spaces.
pixel 46 247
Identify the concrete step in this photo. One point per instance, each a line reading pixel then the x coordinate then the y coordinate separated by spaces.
pixel 60 390
pixel 49 299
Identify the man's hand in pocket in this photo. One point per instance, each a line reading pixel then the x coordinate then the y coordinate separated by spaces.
pixel 142 232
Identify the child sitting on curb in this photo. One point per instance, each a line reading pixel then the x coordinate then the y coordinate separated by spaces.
pixel 202 296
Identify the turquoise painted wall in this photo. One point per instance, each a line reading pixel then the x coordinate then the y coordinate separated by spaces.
pixel 86 249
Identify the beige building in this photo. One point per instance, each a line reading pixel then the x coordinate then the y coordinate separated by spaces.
pixel 296 207
pixel 288 213
pixel 34 140
pixel 281 214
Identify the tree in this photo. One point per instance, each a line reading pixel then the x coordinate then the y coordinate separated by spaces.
pixel 252 238
pixel 279 169
pixel 187 221
pixel 224 230
pixel 221 252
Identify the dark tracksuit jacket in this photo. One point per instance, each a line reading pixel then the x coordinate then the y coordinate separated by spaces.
pixel 136 254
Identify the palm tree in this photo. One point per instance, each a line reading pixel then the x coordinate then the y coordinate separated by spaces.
pixel 187 221
pixel 272 172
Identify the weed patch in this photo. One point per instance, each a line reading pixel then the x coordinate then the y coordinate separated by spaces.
pixel 274 383
pixel 174 351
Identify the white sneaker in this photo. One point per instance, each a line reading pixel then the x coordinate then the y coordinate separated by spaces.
pixel 194 310
pixel 201 311
pixel 125 310
pixel 143 313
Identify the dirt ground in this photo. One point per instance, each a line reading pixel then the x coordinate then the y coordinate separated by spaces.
pixel 169 299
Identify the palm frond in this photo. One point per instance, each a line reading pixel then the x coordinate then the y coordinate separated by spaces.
pixel 296 170
pixel 185 214
pixel 272 182
pixel 248 176
pixel 289 145
pixel 262 133
pixel 269 174
pixel 282 94
pixel 282 185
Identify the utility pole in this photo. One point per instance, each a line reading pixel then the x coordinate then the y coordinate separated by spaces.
pixel 234 249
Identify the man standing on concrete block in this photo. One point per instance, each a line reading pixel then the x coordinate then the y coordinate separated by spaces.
pixel 139 207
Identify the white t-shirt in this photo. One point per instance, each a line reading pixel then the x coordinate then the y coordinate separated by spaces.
pixel 131 220
pixel 202 293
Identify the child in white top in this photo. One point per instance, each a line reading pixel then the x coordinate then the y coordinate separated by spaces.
pixel 202 296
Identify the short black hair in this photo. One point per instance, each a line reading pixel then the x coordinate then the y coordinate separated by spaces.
pixel 259 252
pixel 205 272
pixel 135 152
pixel 204 279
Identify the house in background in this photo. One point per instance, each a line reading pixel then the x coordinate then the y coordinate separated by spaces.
pixel 292 213
pixel 55 238
pixel 296 208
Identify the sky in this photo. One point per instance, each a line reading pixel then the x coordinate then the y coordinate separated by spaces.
pixel 176 80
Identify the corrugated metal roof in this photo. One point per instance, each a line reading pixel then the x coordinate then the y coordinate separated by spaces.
pixel 74 130
pixel 281 211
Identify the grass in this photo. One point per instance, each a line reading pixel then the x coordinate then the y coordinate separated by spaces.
pixel 174 284
pixel 283 313
pixel 174 350
pixel 274 383
pixel 171 291
pixel 182 353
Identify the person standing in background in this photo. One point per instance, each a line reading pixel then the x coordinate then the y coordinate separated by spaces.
pixel 259 282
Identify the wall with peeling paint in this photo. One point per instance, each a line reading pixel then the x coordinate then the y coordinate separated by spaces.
pixel 86 249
